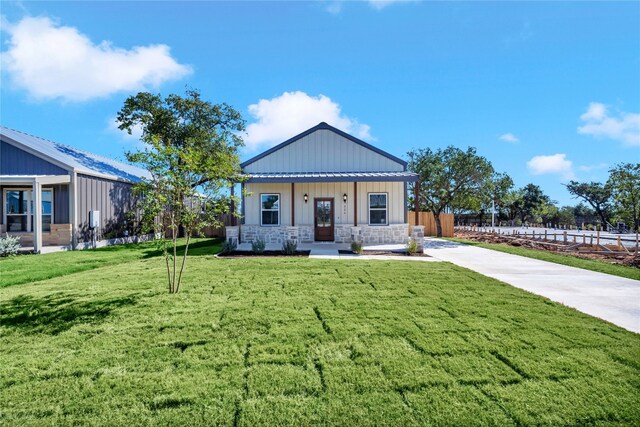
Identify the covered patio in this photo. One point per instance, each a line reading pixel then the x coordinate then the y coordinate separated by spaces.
pixel 23 210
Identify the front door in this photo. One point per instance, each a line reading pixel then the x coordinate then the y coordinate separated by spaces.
pixel 324 219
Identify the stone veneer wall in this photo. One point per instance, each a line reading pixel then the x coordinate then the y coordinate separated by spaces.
pixel 60 235
pixel 397 233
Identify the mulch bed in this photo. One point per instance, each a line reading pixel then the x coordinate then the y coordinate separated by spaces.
pixel 392 253
pixel 249 254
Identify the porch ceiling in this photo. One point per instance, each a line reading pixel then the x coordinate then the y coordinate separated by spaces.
pixel 332 177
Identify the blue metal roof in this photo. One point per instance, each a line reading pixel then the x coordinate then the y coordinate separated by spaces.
pixel 284 177
pixel 73 159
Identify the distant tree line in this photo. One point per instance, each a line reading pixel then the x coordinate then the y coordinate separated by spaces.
pixel 466 184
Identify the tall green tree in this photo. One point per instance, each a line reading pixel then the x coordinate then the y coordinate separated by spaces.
pixel 596 194
pixel 532 202
pixel 191 151
pixel 447 175
pixel 624 182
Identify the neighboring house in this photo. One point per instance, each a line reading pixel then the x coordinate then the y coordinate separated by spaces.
pixel 325 185
pixel 50 190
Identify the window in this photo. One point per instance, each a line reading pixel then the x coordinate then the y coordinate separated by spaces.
pixel 19 210
pixel 377 208
pixel 269 209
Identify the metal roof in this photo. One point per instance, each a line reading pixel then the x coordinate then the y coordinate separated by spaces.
pixel 323 125
pixel 332 177
pixel 73 159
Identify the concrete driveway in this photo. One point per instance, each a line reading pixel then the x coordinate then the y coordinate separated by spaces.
pixel 612 298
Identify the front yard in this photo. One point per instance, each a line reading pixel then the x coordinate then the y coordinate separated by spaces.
pixel 295 341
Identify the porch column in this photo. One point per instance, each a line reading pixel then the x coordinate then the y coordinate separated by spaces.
pixel 293 205
pixel 355 204
pixel 416 203
pixel 37 216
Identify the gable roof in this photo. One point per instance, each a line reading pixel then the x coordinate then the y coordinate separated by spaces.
pixel 323 125
pixel 72 159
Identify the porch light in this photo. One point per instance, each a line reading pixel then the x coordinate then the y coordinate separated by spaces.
pixel 306 198
pixel 344 197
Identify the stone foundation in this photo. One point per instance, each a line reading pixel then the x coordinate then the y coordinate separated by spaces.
pixel 60 235
pixel 343 233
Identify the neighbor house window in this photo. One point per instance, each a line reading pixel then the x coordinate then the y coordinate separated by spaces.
pixel 19 210
pixel 269 209
pixel 378 209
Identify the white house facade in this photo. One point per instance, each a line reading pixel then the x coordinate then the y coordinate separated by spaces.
pixel 325 186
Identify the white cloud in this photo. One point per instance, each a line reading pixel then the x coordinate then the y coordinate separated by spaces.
pixel 278 119
pixel 132 140
pixel 509 137
pixel 599 123
pixel 552 164
pixel 50 61
pixel 381 4
pixel 589 168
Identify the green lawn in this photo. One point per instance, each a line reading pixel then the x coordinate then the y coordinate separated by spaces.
pixel 279 341
pixel 32 268
pixel 558 258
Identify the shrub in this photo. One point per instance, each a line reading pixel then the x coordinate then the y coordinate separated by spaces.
pixel 258 246
pixel 9 245
pixel 228 246
pixel 412 246
pixel 289 247
pixel 356 247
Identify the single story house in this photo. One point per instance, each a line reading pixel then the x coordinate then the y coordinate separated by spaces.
pixel 53 194
pixel 324 185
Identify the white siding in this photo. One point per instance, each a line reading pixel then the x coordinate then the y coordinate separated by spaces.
pixel 324 151
pixel 343 211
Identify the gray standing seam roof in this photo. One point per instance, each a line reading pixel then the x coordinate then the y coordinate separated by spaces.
pixel 79 161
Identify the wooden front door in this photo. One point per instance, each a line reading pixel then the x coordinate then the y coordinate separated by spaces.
pixel 323 219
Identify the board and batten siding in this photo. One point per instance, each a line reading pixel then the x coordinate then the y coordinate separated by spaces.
pixel 112 198
pixel 304 214
pixel 323 151
pixel 14 161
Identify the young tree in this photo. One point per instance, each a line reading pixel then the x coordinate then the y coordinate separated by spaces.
pixel 447 175
pixel 191 151
pixel 596 194
pixel 624 182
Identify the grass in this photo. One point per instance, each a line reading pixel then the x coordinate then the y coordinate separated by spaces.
pixel 33 268
pixel 282 341
pixel 558 258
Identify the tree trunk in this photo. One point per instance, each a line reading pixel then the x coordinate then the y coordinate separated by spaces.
pixel 436 216
pixel 602 218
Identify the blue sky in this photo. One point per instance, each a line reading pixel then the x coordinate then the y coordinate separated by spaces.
pixel 547 91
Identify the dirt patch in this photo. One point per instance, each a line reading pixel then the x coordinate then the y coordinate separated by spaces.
pixel 389 253
pixel 248 254
pixel 586 252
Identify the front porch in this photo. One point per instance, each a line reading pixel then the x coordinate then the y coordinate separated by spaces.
pixel 28 211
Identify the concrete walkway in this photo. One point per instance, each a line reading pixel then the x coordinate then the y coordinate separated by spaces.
pixel 608 297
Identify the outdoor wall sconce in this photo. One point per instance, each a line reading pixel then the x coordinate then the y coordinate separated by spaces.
pixel 306 198
pixel 344 197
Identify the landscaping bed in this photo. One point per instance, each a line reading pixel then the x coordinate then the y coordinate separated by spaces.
pixel 251 254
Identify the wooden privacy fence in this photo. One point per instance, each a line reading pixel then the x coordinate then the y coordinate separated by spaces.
pixel 429 222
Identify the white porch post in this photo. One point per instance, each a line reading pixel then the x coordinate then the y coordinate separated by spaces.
pixel 37 216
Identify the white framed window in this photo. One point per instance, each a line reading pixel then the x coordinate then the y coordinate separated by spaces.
pixel 270 209
pixel 19 210
pixel 378 212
